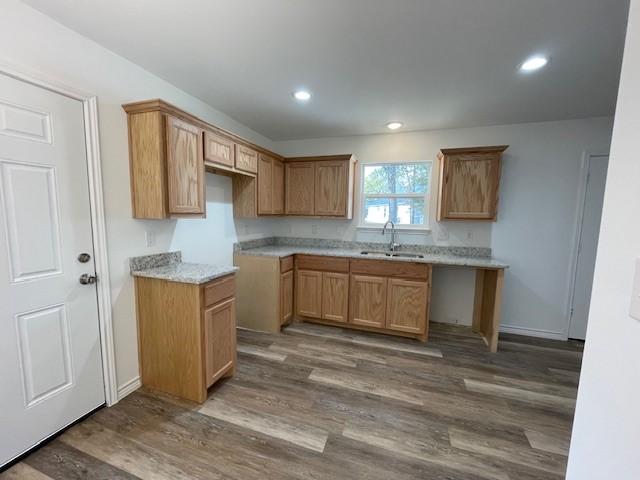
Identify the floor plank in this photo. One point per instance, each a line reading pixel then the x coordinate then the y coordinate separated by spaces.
pixel 317 402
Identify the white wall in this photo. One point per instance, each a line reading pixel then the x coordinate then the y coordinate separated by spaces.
pixel 536 219
pixel 606 432
pixel 35 44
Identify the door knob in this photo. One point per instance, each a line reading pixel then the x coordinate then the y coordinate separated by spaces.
pixel 86 279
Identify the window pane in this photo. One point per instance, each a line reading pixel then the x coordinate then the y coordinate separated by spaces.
pixel 401 211
pixel 396 178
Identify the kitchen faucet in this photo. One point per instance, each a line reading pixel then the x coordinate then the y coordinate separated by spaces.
pixel 392 244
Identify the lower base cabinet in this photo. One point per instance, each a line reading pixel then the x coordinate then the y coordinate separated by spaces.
pixel 186 334
pixel 368 301
pixel 220 339
pixel 335 296
pixel 407 305
pixel 376 295
pixel 286 297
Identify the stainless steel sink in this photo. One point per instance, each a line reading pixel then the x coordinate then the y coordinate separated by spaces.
pixel 391 254
pixel 407 255
pixel 375 252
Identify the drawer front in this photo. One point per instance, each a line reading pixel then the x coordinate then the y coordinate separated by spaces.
pixel 219 289
pixel 246 159
pixel 218 150
pixel 325 264
pixel 286 264
pixel 387 268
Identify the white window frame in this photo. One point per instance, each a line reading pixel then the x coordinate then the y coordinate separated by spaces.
pixel 363 225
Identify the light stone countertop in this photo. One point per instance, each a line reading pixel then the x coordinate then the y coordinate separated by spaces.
pixel 195 273
pixel 434 259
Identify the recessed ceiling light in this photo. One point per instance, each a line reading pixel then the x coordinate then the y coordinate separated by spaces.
pixel 534 63
pixel 301 95
pixel 394 125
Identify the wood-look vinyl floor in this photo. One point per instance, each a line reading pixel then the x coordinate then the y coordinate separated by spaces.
pixel 319 402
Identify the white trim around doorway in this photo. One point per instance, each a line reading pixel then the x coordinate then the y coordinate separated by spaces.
pixel 98 224
pixel 577 233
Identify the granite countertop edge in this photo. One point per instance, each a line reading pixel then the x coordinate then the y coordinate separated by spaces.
pixel 182 272
pixel 445 260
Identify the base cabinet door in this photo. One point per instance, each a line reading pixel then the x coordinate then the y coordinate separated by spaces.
pixel 368 300
pixel 286 297
pixel 335 296
pixel 407 306
pixel 309 294
pixel 220 339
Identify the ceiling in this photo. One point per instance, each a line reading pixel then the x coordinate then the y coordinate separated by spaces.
pixel 431 64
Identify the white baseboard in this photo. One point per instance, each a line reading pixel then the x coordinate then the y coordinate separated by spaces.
pixel 129 387
pixel 533 332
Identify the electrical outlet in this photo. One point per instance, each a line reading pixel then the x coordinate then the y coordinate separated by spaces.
pixel 314 229
pixel 150 238
pixel 469 235
pixel 443 235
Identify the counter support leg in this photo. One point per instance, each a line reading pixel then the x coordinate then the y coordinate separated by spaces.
pixel 487 305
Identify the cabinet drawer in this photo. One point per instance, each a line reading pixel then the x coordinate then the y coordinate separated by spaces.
pixel 246 159
pixel 387 268
pixel 219 289
pixel 286 264
pixel 218 150
pixel 326 264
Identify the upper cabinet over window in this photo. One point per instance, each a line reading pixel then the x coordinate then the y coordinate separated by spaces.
pixel 396 191
pixel 469 181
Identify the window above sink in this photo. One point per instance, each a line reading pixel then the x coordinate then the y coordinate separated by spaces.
pixel 395 191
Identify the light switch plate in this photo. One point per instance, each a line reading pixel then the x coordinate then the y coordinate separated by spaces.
pixel 634 310
pixel 150 238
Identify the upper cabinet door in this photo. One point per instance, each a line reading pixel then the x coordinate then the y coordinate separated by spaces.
pixel 265 185
pixel 331 188
pixel 185 167
pixel 246 159
pixel 219 150
pixel 299 188
pixel 278 187
pixel 469 180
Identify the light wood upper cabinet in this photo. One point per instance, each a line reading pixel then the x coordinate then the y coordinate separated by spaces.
pixel 320 186
pixel 169 152
pixel 185 167
pixel 299 188
pixel 270 186
pixel 368 300
pixel 309 293
pixel 286 297
pixel 407 304
pixel 335 296
pixel 331 188
pixel 246 159
pixel 219 150
pixel 265 185
pixel 220 340
pixel 469 181
pixel 277 187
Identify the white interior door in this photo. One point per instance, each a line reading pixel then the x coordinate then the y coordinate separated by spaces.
pixel 50 359
pixel 588 245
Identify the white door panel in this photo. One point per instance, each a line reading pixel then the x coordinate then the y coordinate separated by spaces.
pixel 50 362
pixel 588 246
